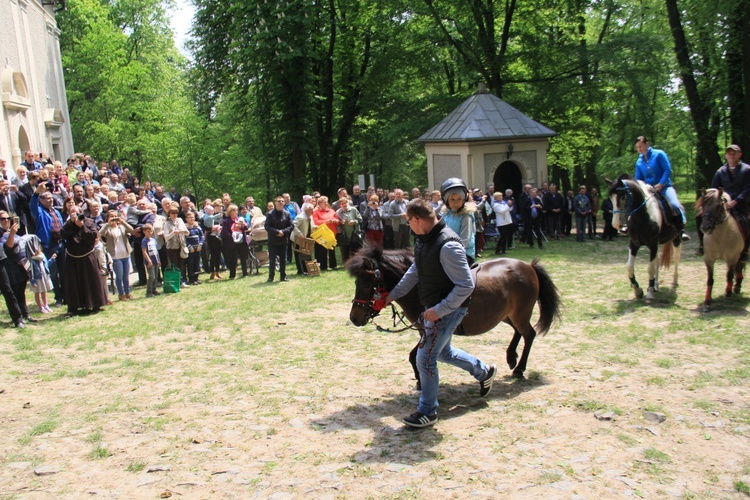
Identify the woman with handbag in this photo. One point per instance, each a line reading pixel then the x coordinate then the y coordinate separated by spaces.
pixel 350 222
pixel 212 224
pixel 303 227
pixel 324 214
pixel 175 232
pixel 115 236
pixel 372 220
pixel 228 243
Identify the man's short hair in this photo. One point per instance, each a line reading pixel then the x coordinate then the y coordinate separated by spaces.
pixel 420 208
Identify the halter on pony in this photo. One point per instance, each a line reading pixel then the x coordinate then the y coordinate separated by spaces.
pixel 376 303
pixel 628 206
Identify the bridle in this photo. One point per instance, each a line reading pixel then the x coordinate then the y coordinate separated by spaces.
pixel 709 221
pixel 376 303
pixel 629 211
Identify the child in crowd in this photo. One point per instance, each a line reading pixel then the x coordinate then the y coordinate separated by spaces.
pixel 150 259
pixel 41 281
pixel 131 212
pixel 194 242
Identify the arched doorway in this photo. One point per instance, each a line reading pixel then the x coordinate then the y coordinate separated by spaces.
pixel 507 176
pixel 23 145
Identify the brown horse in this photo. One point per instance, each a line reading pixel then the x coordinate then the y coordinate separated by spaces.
pixel 722 240
pixel 506 290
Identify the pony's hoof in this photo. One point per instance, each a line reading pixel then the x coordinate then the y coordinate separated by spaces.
pixel 518 376
pixel 639 294
pixel 736 290
pixel 728 294
pixel 706 308
pixel 512 361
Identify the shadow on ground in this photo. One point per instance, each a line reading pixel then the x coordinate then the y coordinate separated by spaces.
pixel 406 445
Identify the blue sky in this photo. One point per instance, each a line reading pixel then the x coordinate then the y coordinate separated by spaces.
pixel 182 19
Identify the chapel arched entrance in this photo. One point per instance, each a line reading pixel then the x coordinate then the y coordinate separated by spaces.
pixel 508 176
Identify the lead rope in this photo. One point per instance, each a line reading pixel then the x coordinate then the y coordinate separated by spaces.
pixel 398 317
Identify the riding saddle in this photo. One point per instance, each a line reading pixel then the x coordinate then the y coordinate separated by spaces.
pixel 670 215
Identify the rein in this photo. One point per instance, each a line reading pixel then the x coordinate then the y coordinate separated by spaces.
pixel 628 211
pixel 399 317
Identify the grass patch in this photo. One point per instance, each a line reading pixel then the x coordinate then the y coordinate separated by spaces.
pixel 742 487
pixel 99 452
pixel 656 456
pixel 548 477
pixel 48 425
pixel 136 466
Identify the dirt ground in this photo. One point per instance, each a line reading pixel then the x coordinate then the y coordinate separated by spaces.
pixel 312 408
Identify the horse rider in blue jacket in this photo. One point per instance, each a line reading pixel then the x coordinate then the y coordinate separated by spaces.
pixel 654 169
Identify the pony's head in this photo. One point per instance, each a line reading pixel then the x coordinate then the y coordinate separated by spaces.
pixel 713 204
pixel 369 292
pixel 376 273
pixel 618 193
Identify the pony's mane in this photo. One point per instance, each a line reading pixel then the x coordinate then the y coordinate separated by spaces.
pixel 391 262
pixel 710 194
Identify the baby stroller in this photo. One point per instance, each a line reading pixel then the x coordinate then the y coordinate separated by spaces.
pixel 257 237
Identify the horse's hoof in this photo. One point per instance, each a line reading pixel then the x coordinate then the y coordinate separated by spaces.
pixel 736 290
pixel 706 308
pixel 639 294
pixel 518 376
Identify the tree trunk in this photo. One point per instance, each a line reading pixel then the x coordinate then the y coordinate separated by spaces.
pixel 737 66
pixel 708 160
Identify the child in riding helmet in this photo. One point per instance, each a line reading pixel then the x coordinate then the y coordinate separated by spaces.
pixel 459 214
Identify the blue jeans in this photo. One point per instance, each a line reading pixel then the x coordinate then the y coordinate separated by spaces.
pixel 122 275
pixel 436 346
pixel 671 196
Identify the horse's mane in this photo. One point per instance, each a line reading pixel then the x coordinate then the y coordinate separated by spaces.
pixel 392 263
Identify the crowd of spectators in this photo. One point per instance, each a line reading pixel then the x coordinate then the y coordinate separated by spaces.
pixel 66 229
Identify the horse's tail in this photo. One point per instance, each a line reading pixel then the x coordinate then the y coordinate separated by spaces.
pixel 667 250
pixel 549 299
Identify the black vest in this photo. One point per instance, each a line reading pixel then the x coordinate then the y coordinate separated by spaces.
pixel 434 284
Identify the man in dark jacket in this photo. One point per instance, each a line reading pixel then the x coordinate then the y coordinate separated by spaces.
pixel 445 287
pixel 734 179
pixel 279 226
pixel 554 204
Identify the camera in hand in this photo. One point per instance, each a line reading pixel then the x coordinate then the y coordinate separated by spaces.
pixel 81 216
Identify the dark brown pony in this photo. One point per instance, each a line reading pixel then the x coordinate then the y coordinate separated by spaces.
pixel 506 290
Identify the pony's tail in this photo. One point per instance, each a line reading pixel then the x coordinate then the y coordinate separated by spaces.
pixel 549 299
pixel 667 250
